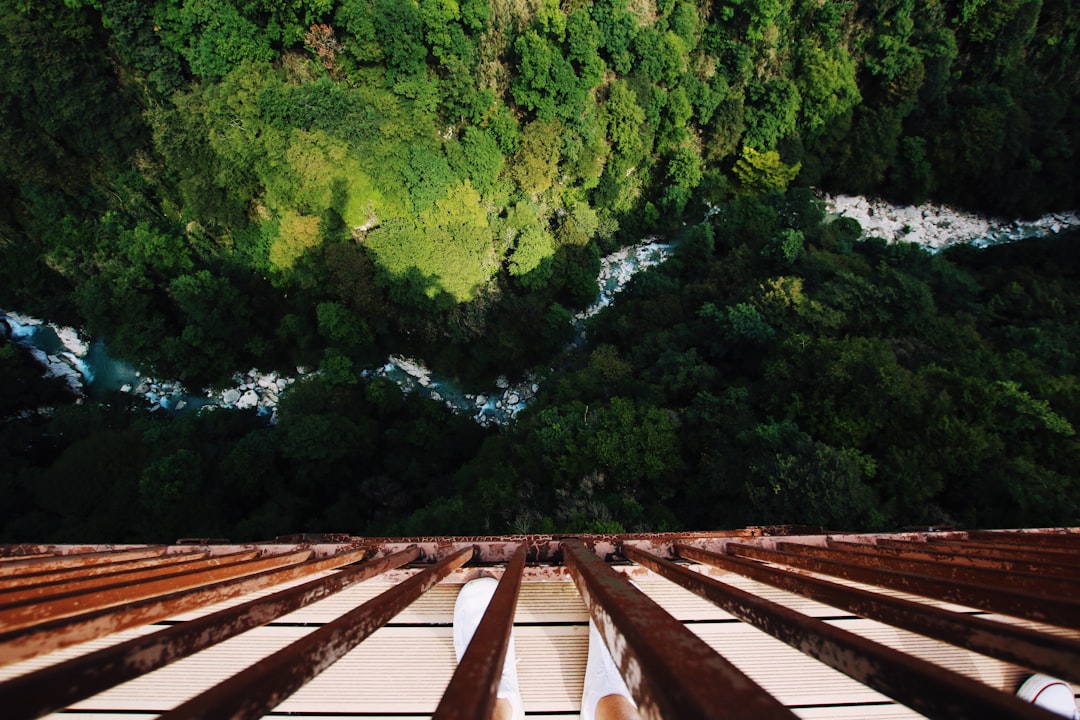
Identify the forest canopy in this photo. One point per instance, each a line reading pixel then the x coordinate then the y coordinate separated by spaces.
pixel 220 184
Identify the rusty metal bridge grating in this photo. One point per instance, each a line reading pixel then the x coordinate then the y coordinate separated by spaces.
pixel 763 622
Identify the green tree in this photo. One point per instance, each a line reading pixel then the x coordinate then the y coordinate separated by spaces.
pixel 763 172
pixel 536 162
pixel 784 247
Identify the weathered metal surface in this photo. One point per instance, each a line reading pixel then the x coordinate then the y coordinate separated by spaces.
pixel 1053 654
pixel 55 562
pixel 472 688
pixel 1047 553
pixel 55 687
pixel 1052 610
pixel 1029 582
pixel 38 592
pixel 256 690
pixel 1038 538
pixel 24 556
pixel 932 690
pixel 75 573
pixel 29 614
pixel 670 671
pixel 546 548
pixel 960 547
pixel 936 554
pixel 50 635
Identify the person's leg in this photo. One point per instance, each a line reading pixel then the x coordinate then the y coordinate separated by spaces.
pixel 605 695
pixel 616 707
pixel 469 608
pixel 503 710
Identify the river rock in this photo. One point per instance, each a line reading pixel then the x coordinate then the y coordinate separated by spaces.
pixel 513 399
pixel 248 400
pixel 70 339
pixel 230 397
pixel 266 381
pixel 501 382
pixel 125 388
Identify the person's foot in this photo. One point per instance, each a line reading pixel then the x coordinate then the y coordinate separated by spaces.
pixel 469 608
pixel 1050 694
pixel 602 677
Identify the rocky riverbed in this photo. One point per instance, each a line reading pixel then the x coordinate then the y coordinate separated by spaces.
pixel 61 358
pixel 937 226
pixel 498 406
pixel 64 352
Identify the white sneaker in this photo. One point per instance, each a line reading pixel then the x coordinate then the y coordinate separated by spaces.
pixel 602 677
pixel 469 608
pixel 1050 694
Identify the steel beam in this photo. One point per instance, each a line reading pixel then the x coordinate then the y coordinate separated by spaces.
pixel 52 635
pixel 39 592
pixel 55 562
pixel 1063 587
pixel 1052 540
pixel 29 614
pixel 256 690
pixel 472 689
pixel 933 553
pixel 77 573
pixel 1047 553
pixel 57 686
pixel 1054 611
pixel 671 672
pixel 931 690
pixel 1053 654
pixel 961 547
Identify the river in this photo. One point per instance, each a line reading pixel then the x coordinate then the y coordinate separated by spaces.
pixel 89 369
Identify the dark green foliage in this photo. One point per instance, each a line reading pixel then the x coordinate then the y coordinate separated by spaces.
pixel 213 185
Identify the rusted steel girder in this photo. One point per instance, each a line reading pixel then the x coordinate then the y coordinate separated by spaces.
pixel 1063 587
pixel 1051 610
pixel 253 692
pixel 472 688
pixel 39 592
pixel 932 553
pixel 1067 540
pixel 44 691
pixel 1012 552
pixel 29 556
pixel 29 614
pixel 1052 654
pixel 932 690
pixel 1047 553
pixel 77 573
pixel 54 634
pixel 547 548
pixel 55 562
pixel 671 672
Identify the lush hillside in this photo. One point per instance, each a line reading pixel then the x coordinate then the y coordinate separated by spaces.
pixel 215 185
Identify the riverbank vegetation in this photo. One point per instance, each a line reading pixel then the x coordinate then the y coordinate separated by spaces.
pixel 216 185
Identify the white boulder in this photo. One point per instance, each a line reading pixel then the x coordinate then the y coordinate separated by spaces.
pixel 248 400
